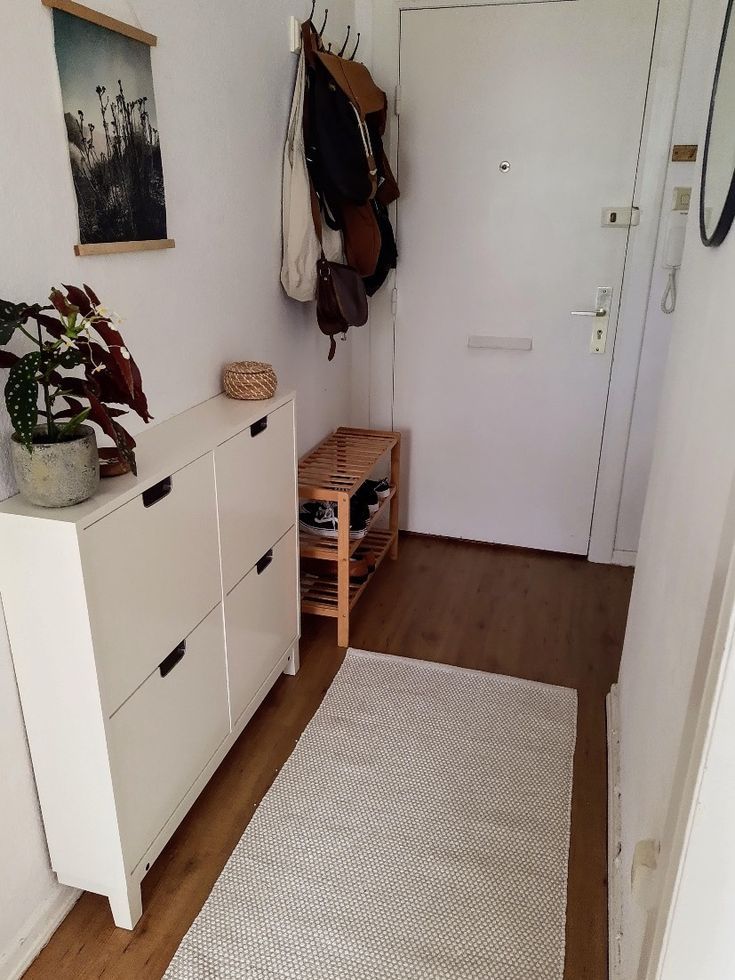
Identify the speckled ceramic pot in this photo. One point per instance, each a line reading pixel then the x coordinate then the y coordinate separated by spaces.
pixel 58 474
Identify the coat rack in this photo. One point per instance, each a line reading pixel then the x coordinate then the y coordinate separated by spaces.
pixel 295 28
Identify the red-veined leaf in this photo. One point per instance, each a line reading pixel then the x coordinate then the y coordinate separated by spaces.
pixel 116 344
pixel 8 359
pixel 92 295
pixel 79 298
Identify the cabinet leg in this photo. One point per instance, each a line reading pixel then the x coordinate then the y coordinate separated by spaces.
pixel 126 903
pixel 294 661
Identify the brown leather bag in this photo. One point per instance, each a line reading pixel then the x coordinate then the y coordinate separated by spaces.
pixel 361 237
pixel 341 300
pixel 372 104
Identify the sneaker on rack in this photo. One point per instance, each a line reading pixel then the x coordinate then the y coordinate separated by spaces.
pixel 367 496
pixel 359 518
pixel 381 488
pixel 320 518
pixel 373 492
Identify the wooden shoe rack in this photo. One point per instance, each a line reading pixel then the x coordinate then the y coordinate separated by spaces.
pixel 334 471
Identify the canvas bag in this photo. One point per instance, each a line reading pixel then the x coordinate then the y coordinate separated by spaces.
pixel 301 248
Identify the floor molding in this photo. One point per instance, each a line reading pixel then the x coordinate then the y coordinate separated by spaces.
pixel 614 835
pixel 627 558
pixel 36 933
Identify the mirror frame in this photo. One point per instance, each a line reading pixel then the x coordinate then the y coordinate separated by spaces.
pixel 724 222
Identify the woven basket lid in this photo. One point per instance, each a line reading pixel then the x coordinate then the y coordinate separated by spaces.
pixel 249 367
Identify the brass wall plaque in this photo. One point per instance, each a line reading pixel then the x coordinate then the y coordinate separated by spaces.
pixel 685 153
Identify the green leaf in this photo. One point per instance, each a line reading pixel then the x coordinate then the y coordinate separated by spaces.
pixel 21 397
pixel 70 359
pixel 68 430
pixel 12 316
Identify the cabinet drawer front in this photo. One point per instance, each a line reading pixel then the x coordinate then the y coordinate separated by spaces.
pixel 151 573
pixel 165 734
pixel 256 491
pixel 261 621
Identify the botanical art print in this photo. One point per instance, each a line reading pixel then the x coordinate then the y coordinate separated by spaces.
pixel 112 128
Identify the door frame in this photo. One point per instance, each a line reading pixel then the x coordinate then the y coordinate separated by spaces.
pixel 376 346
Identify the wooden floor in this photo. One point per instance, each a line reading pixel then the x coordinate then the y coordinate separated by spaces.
pixel 543 617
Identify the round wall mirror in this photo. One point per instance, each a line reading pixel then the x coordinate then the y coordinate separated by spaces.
pixel 717 200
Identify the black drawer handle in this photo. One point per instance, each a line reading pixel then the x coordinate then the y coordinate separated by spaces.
pixel 173 659
pixel 153 494
pixel 257 427
pixel 264 562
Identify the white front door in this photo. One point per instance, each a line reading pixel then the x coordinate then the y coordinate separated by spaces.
pixel 519 124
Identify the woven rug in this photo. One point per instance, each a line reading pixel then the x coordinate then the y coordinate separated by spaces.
pixel 419 831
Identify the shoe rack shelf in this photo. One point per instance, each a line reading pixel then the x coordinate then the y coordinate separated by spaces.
pixel 334 471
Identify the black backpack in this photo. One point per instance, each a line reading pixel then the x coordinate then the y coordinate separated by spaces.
pixel 388 257
pixel 339 151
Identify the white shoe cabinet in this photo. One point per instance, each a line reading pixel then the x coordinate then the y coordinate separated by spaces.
pixel 146 626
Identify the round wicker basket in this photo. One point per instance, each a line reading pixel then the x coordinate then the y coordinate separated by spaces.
pixel 250 380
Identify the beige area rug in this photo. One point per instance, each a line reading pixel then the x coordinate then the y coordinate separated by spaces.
pixel 419 831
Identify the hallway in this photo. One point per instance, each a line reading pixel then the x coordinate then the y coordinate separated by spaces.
pixel 538 616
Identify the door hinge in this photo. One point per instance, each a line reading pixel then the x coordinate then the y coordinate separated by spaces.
pixel 394 301
pixel 397 101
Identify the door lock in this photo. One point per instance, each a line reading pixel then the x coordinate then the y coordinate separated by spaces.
pixel 601 313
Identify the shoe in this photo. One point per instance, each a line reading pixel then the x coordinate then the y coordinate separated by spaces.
pixel 368 497
pixel 359 518
pixel 381 488
pixel 372 492
pixel 362 565
pixel 320 518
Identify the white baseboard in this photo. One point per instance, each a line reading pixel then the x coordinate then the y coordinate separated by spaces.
pixel 37 931
pixel 627 558
pixel 614 836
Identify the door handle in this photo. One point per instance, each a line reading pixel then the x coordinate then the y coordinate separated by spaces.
pixel 157 492
pixel 603 305
pixel 264 562
pixel 172 660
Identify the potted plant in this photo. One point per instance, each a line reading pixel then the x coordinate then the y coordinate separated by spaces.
pixel 79 357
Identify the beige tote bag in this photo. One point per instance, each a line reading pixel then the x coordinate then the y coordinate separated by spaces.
pixel 301 249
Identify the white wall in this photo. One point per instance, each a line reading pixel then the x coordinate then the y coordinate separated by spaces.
pixel 223 74
pixel 698 941
pixel 681 560
pixel 693 95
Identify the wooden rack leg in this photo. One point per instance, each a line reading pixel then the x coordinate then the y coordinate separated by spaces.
pixel 343 571
pixel 395 479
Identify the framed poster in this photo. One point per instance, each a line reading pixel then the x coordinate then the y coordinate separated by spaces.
pixel 112 130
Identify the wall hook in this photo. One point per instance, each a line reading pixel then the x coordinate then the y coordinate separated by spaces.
pixel 352 56
pixel 313 10
pixel 324 22
pixel 344 46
